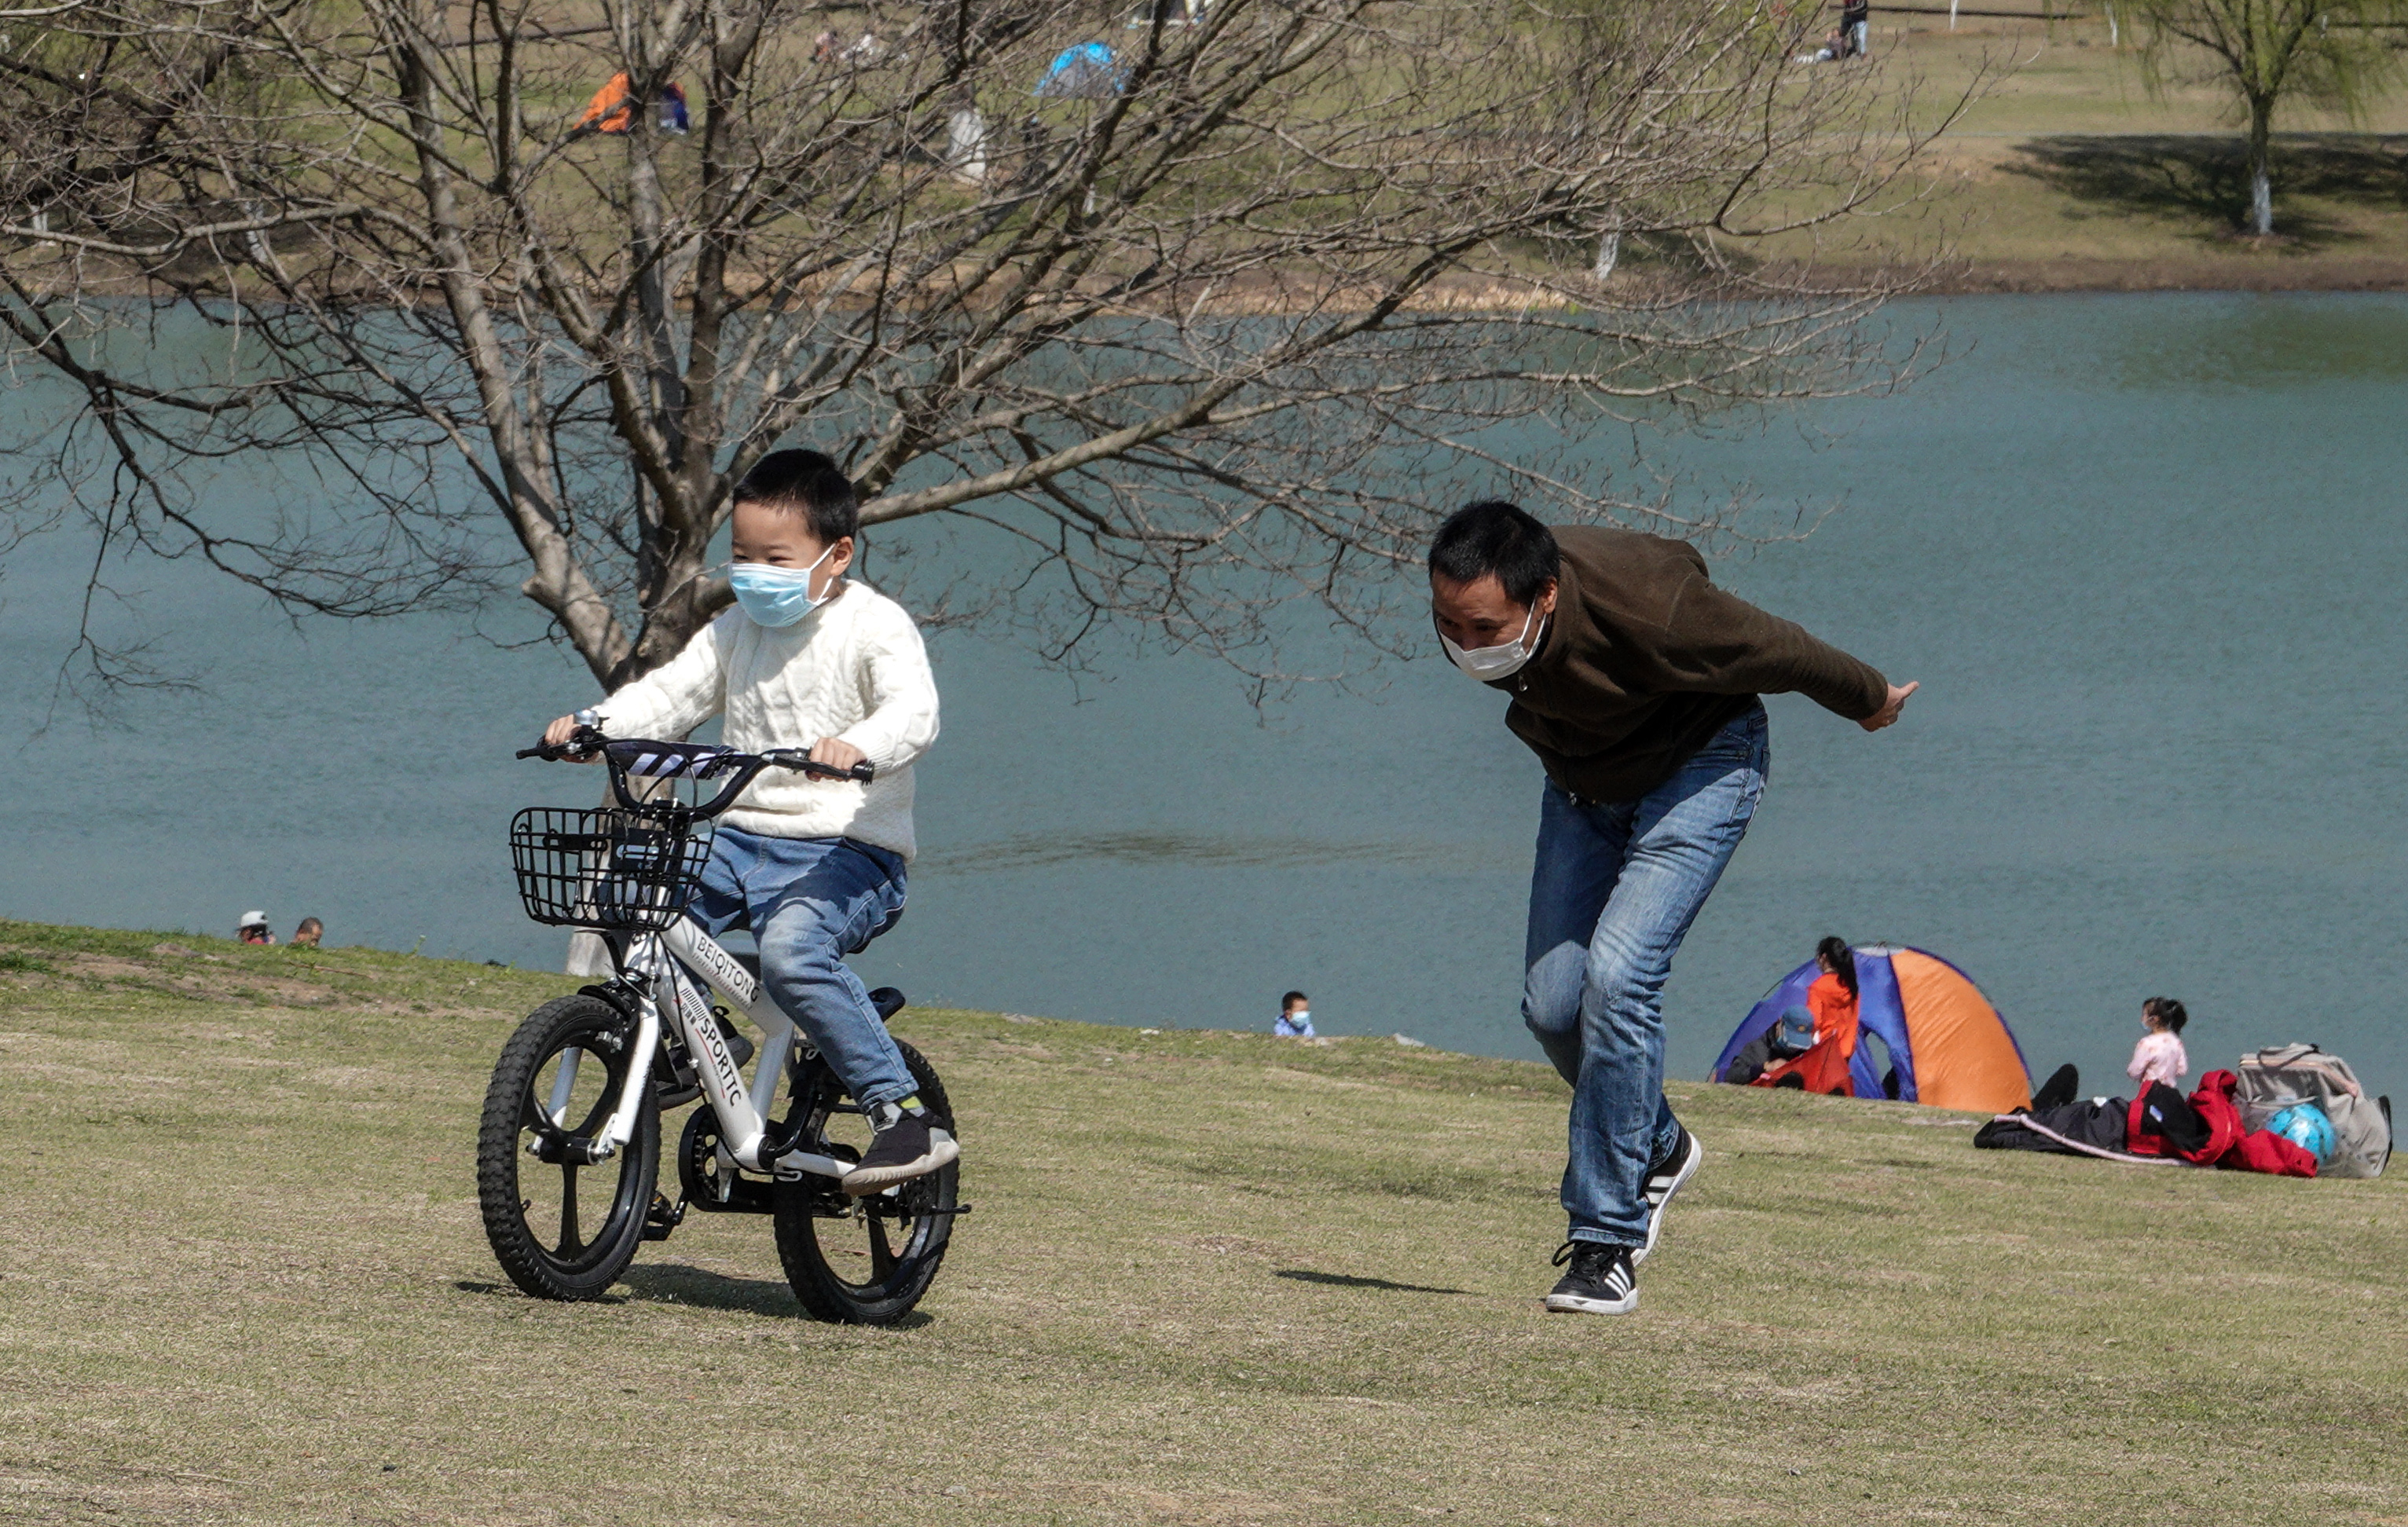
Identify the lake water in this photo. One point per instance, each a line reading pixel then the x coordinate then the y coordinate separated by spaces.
pixel 2147 555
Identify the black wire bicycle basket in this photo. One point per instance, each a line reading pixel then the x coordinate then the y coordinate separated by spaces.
pixel 613 868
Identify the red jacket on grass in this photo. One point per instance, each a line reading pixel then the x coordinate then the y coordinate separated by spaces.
pixel 2226 1143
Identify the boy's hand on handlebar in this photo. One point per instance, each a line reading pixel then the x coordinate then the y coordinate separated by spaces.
pixel 836 753
pixel 563 731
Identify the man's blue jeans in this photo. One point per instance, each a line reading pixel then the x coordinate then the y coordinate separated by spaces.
pixel 810 902
pixel 1613 893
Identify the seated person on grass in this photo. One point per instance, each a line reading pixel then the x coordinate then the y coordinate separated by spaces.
pixel 2159 1056
pixel 813 866
pixel 1295 1020
pixel 1832 1001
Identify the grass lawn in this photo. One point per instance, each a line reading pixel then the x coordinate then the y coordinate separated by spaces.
pixel 2067 174
pixel 1212 1278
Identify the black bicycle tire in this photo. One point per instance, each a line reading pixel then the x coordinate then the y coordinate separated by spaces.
pixel 523 1258
pixel 823 1293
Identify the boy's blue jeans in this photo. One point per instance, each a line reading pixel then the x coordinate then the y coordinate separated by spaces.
pixel 810 902
pixel 1614 891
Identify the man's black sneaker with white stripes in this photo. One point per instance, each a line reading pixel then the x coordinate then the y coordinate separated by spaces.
pixel 1664 1180
pixel 906 1146
pixel 1600 1280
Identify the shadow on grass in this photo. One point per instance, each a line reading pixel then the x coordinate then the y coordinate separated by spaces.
pixel 673 1283
pixel 1343 1280
pixel 2204 179
pixel 506 1292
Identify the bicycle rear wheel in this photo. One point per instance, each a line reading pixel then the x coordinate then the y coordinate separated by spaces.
pixel 559 1078
pixel 867 1260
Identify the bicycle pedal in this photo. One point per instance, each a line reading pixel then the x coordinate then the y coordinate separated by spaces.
pixel 663 1217
pixel 739 1049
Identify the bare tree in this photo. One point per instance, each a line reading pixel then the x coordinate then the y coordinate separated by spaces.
pixel 1167 328
pixel 2335 53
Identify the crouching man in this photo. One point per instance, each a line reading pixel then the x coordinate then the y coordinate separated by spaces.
pixel 1635 680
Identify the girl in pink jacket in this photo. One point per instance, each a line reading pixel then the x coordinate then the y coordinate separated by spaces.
pixel 2159 1056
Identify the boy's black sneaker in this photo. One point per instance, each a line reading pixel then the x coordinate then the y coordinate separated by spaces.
pixel 906 1146
pixel 1600 1280
pixel 739 1049
pixel 1664 1180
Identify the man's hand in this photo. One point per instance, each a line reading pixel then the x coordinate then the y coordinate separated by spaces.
pixel 1889 712
pixel 558 733
pixel 836 753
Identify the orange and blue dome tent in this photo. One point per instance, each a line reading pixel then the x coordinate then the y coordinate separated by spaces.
pixel 1949 1045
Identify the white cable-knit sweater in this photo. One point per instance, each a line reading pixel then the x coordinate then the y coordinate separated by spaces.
pixel 853 669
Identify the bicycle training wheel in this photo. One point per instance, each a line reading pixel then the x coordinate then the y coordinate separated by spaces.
pixel 562 1227
pixel 863 1261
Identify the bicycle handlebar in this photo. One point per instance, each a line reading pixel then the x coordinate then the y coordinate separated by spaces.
pixel 586 741
pixel 799 758
pixel 582 743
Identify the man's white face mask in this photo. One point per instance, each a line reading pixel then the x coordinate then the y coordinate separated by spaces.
pixel 1490 663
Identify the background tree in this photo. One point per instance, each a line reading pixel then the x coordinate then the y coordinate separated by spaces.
pixel 1152 339
pixel 2335 53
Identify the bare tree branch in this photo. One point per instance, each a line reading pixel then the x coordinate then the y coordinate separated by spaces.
pixel 1188 338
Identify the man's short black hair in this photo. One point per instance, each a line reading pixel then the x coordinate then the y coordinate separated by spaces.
pixel 1496 538
pixel 810 483
pixel 1291 1000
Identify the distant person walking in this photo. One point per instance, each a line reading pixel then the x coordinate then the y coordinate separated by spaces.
pixel 1635 680
pixel 1856 28
pixel 1295 1020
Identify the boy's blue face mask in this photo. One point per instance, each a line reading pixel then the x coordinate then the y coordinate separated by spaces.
pixel 777 596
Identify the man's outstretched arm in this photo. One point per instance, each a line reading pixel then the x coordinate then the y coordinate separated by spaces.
pixel 1714 641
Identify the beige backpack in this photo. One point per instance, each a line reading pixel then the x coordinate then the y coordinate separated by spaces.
pixel 2279 1076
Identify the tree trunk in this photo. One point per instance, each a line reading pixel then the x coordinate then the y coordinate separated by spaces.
pixel 2261 181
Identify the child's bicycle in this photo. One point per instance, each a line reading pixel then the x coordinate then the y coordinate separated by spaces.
pixel 577 1098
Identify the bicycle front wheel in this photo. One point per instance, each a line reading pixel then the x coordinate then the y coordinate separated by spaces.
pixel 864 1261
pixel 563 1226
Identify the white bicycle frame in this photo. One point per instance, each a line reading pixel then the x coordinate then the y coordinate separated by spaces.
pixel 657 965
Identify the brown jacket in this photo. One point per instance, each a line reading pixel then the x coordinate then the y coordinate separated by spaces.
pixel 1644 659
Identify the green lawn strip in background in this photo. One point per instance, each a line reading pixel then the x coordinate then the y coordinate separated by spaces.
pixel 1210 1278
pixel 2066 174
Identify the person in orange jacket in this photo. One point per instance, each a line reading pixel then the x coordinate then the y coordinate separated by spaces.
pixel 1832 1001
pixel 613 110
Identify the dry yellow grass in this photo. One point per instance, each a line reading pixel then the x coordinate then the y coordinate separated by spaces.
pixel 1210 1279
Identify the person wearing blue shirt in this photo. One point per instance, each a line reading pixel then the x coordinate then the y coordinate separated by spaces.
pixel 1295 1020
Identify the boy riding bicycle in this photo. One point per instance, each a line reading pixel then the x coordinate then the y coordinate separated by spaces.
pixel 814 866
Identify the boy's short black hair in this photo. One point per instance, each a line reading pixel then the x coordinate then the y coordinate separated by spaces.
pixel 1499 538
pixel 810 483
pixel 1292 999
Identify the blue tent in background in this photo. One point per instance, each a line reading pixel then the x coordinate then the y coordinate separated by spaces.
pixel 1085 72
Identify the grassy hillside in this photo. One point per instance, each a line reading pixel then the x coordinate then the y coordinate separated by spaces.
pixel 2067 173
pixel 1212 1278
